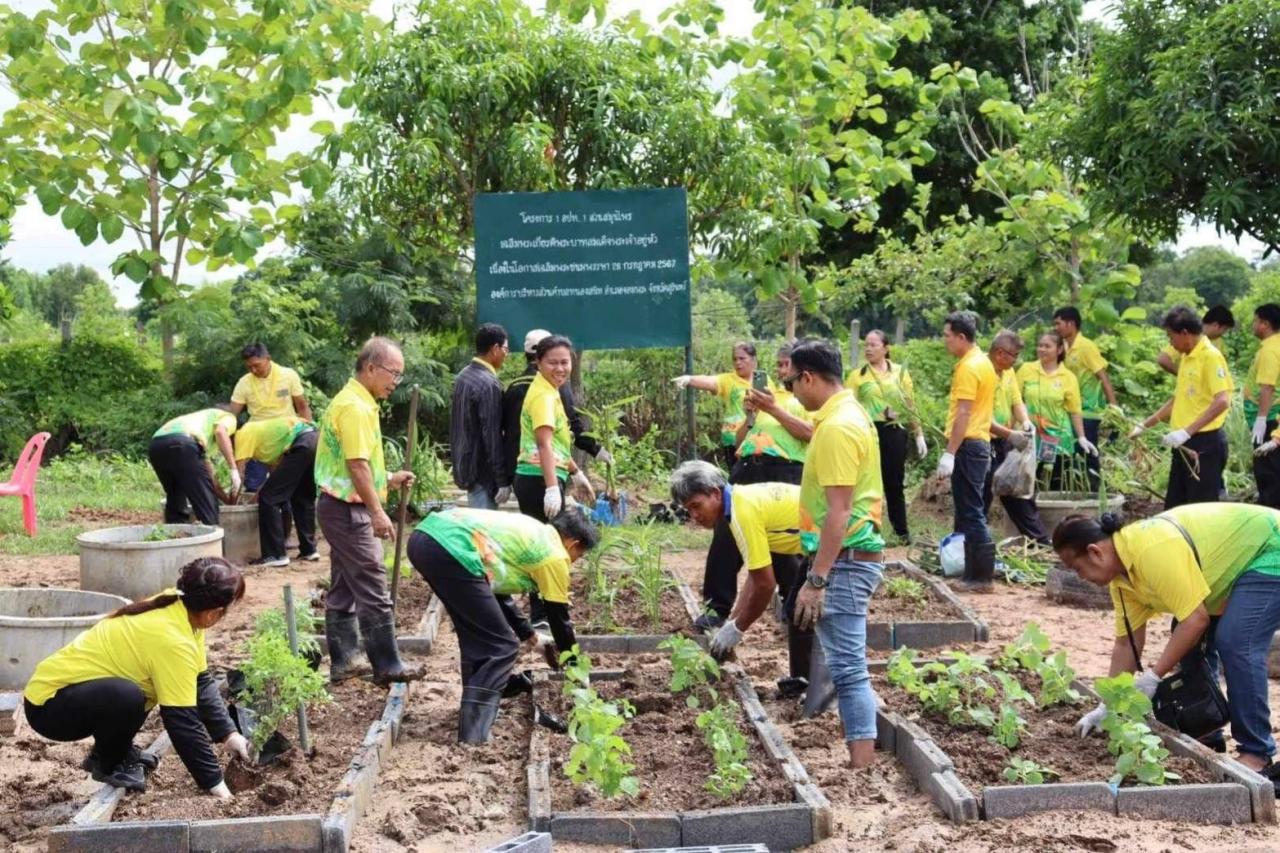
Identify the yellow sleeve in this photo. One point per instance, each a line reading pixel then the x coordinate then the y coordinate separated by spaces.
pixel 542 410
pixel 1071 394
pixel 1268 367
pixel 1218 378
pixel 1015 392
pixel 724 384
pixel 836 450
pixel 1169 578
pixel 749 534
pixel 228 421
pixel 552 579
pixel 354 433
pixel 965 385
pixel 1091 358
pixel 240 394
pixel 295 383
pixel 1139 613
pixel 173 675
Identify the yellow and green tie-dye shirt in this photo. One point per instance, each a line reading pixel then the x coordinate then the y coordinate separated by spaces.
pixel 732 389
pixel 199 425
pixel 844 451
pixel 267 440
pixel 350 429
pixel 1051 400
pixel 543 407
pixel 1007 396
pixel 768 437
pixel 518 554
pixel 879 392
pixel 1085 360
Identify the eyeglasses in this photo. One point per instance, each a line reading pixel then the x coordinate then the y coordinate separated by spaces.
pixel 789 381
pixel 396 375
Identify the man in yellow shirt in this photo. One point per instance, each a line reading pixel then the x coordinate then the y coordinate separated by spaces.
pixel 1261 405
pixel 967 457
pixel 1196 413
pixel 268 390
pixel 1011 429
pixel 841 507
pixel 287 447
pixel 179 454
pixel 352 478
pixel 1086 362
pixel 1217 321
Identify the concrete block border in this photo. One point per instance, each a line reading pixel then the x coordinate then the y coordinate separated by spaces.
pixel 633 644
pixel 530 842
pixel 1241 796
pixel 780 827
pixel 965 628
pixel 91 828
pixel 423 636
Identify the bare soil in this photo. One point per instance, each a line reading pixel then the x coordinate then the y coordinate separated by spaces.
pixel 885 608
pixel 627 614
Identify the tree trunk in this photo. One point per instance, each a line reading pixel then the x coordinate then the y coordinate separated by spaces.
pixel 166 346
pixel 899 331
pixel 791 301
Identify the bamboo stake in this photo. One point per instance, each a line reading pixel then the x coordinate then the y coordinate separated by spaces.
pixel 304 734
pixel 410 443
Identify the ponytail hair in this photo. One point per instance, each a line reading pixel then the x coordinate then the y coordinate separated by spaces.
pixel 206 583
pixel 1077 532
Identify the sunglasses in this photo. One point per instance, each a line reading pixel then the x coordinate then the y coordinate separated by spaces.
pixel 789 381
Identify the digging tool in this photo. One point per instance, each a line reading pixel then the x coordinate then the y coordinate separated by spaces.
pixel 410 442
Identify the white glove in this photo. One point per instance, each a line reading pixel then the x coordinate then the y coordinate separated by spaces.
pixel 1018 440
pixel 922 449
pixel 682 382
pixel 1177 438
pixel 238 745
pixel 725 639
pixel 1087 446
pixel 946 464
pixel 1027 427
pixel 1259 430
pixel 236 482
pixel 221 791
pixel 580 480
pixel 605 457
pixel 552 502
pixel 1092 721
pixel 502 496
pixel 1147 681
pixel 1268 447
pixel 1137 431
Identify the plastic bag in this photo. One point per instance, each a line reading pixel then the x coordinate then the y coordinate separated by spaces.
pixel 1016 476
pixel 951 555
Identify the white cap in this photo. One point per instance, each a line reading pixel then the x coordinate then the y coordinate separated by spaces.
pixel 534 338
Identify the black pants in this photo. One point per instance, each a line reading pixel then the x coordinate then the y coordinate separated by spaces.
pixel 893 471
pixel 720 574
pixel 973 463
pixel 1187 485
pixel 1021 511
pixel 110 710
pixel 530 491
pixel 1266 472
pixel 728 457
pixel 179 463
pixel 1092 431
pixel 291 485
pixel 487 645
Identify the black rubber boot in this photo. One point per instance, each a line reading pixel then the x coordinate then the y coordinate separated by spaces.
pixel 821 694
pixel 979 567
pixel 343 637
pixel 476 714
pixel 379 631
pixel 799 650
pixel 518 683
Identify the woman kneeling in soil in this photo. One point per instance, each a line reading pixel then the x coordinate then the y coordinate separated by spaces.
pixel 147 653
pixel 475 559
pixel 1216 568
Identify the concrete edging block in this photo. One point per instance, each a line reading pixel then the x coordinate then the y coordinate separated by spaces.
pixel 918 753
pixel 929 635
pixel 777 827
pixel 1006 801
pixel 287 834
pixel 886 733
pixel 171 836
pixel 880 636
pixel 1218 803
pixel 967 628
pixel 951 796
pixel 530 842
pixel 650 829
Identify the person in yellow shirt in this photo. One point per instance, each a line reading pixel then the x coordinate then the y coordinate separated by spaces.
pixel 732 390
pixel 1216 569
pixel 841 506
pixel 179 454
pixel 1196 414
pixel 771 440
pixel 267 390
pixel 1217 321
pixel 1052 396
pixel 1085 360
pixel 475 560
pixel 352 479
pixel 967 458
pixel 1261 405
pixel 287 447
pixel 1011 428
pixel 885 390
pixel 105 682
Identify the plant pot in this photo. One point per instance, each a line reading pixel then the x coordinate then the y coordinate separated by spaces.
pixel 1056 506
pixel 117 560
pixel 35 623
pixel 240 543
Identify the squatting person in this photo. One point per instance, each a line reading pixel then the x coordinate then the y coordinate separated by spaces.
pixel 286 447
pixel 179 455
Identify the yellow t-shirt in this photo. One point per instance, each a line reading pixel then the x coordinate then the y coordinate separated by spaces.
pixel 764 519
pixel 1084 359
pixel 271 396
pixel 199 425
pixel 1265 370
pixel 879 392
pixel 1007 396
pixel 350 429
pixel 1162 573
pixel 973 378
pixel 844 451
pixel 543 406
pixel 267 440
pixel 732 389
pixel 1202 375
pixel 159 651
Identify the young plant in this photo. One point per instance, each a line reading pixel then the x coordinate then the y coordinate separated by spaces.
pixel 1022 771
pixel 1027 651
pixel 157 534
pixel 1008 727
pixel 906 589
pixel 278 682
pixel 606 428
pixel 691 669
pixel 728 745
pixel 646 574
pixel 1139 752
pixel 599 754
pixel 1055 682
pixel 307 622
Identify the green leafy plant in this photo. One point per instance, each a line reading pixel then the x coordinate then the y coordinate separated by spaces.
pixel 645 573
pixel 157 534
pixel 599 754
pixel 1008 727
pixel 1055 681
pixel 431 475
pixel 277 682
pixel 906 589
pixel 1022 771
pixel 1139 752
pixel 728 745
pixel 691 668
pixel 307 622
pixel 606 428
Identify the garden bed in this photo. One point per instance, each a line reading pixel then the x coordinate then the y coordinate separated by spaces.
pixel 619 623
pixel 940 619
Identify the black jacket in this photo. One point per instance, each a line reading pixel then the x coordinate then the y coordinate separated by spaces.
pixel 475 429
pixel 513 402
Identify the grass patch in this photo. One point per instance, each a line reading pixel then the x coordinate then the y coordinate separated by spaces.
pixel 69 490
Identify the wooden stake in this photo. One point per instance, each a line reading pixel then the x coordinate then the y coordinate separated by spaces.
pixel 410 442
pixel 290 618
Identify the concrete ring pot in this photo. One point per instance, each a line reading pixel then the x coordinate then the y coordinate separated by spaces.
pixel 1056 506
pixel 36 622
pixel 240 543
pixel 118 560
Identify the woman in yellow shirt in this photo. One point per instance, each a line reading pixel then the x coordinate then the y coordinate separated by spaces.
pixel 104 683
pixel 1051 394
pixel 546 443
pixel 732 388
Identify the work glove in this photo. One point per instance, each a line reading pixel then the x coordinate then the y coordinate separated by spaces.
pixel 725 639
pixel 502 496
pixel 1027 427
pixel 946 464
pixel 552 502
pixel 221 791
pixel 1092 721
pixel 238 745
pixel 1087 446
pixel 1268 447
pixel 922 449
pixel 1147 681
pixel 682 382
pixel 1259 430
pixel 1137 431
pixel 236 483
pixel 604 457
pixel 580 480
pixel 1177 438
pixel 1018 440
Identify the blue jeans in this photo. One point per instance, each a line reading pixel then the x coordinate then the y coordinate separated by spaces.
pixel 842 630
pixel 973 461
pixel 479 497
pixel 1242 640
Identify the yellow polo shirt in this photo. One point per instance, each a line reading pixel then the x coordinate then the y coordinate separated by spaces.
pixel 973 378
pixel 350 429
pixel 1084 359
pixel 1265 370
pixel 1007 396
pixel 1202 375
pixel 764 519
pixel 1176 358
pixel 200 425
pixel 844 451
pixel 543 406
pixel 517 553
pixel 732 389
pixel 1162 573
pixel 271 396
pixel 158 650
pixel 266 441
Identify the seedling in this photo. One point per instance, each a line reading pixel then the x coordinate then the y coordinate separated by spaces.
pixel 1024 772
pixel 906 589
pixel 1009 727
pixel 1139 752
pixel 691 668
pixel 157 534
pixel 606 428
pixel 645 573
pixel 599 754
pixel 728 746
pixel 277 682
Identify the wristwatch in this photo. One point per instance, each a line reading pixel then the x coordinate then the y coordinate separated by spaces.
pixel 815 581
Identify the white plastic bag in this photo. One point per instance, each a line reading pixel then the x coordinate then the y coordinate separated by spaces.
pixel 1016 476
pixel 951 555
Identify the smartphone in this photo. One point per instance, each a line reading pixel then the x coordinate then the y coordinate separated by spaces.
pixel 760 380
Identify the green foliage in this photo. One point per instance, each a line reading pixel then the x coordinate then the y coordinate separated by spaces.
pixel 692 669
pixel 599 754
pixel 306 622
pixel 278 682
pixel 1009 727
pixel 157 534
pixel 1022 771
pixel 905 589
pixel 728 745
pixel 642 550
pixel 431 475
pixel 1139 752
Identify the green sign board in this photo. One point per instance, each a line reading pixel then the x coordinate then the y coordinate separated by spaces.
pixel 608 268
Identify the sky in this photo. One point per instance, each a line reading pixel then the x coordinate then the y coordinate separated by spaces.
pixel 39 242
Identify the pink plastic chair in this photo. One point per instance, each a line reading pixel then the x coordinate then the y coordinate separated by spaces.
pixel 23 481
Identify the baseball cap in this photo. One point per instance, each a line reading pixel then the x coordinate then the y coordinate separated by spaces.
pixel 534 337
